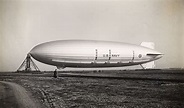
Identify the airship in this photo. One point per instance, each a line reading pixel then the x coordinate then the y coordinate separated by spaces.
pixel 93 54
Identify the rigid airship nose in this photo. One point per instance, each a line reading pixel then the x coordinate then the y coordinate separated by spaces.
pixel 36 52
pixel 33 53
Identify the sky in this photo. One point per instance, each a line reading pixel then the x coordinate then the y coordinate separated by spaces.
pixel 27 23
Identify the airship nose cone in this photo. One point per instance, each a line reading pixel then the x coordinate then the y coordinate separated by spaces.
pixel 36 52
pixel 33 53
pixel 42 53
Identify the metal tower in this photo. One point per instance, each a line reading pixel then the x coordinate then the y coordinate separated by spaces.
pixel 28 65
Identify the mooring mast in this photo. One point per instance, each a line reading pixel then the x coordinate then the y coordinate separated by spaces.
pixel 28 65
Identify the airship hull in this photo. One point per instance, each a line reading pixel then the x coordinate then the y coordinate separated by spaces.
pixel 83 53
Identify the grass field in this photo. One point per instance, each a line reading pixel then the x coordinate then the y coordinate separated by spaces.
pixel 153 88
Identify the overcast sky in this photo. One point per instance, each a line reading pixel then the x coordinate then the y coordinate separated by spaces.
pixel 26 23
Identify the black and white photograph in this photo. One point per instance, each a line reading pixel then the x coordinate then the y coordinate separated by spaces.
pixel 91 54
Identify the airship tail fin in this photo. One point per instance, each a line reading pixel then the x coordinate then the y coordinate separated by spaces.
pixel 150 45
pixel 149 65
